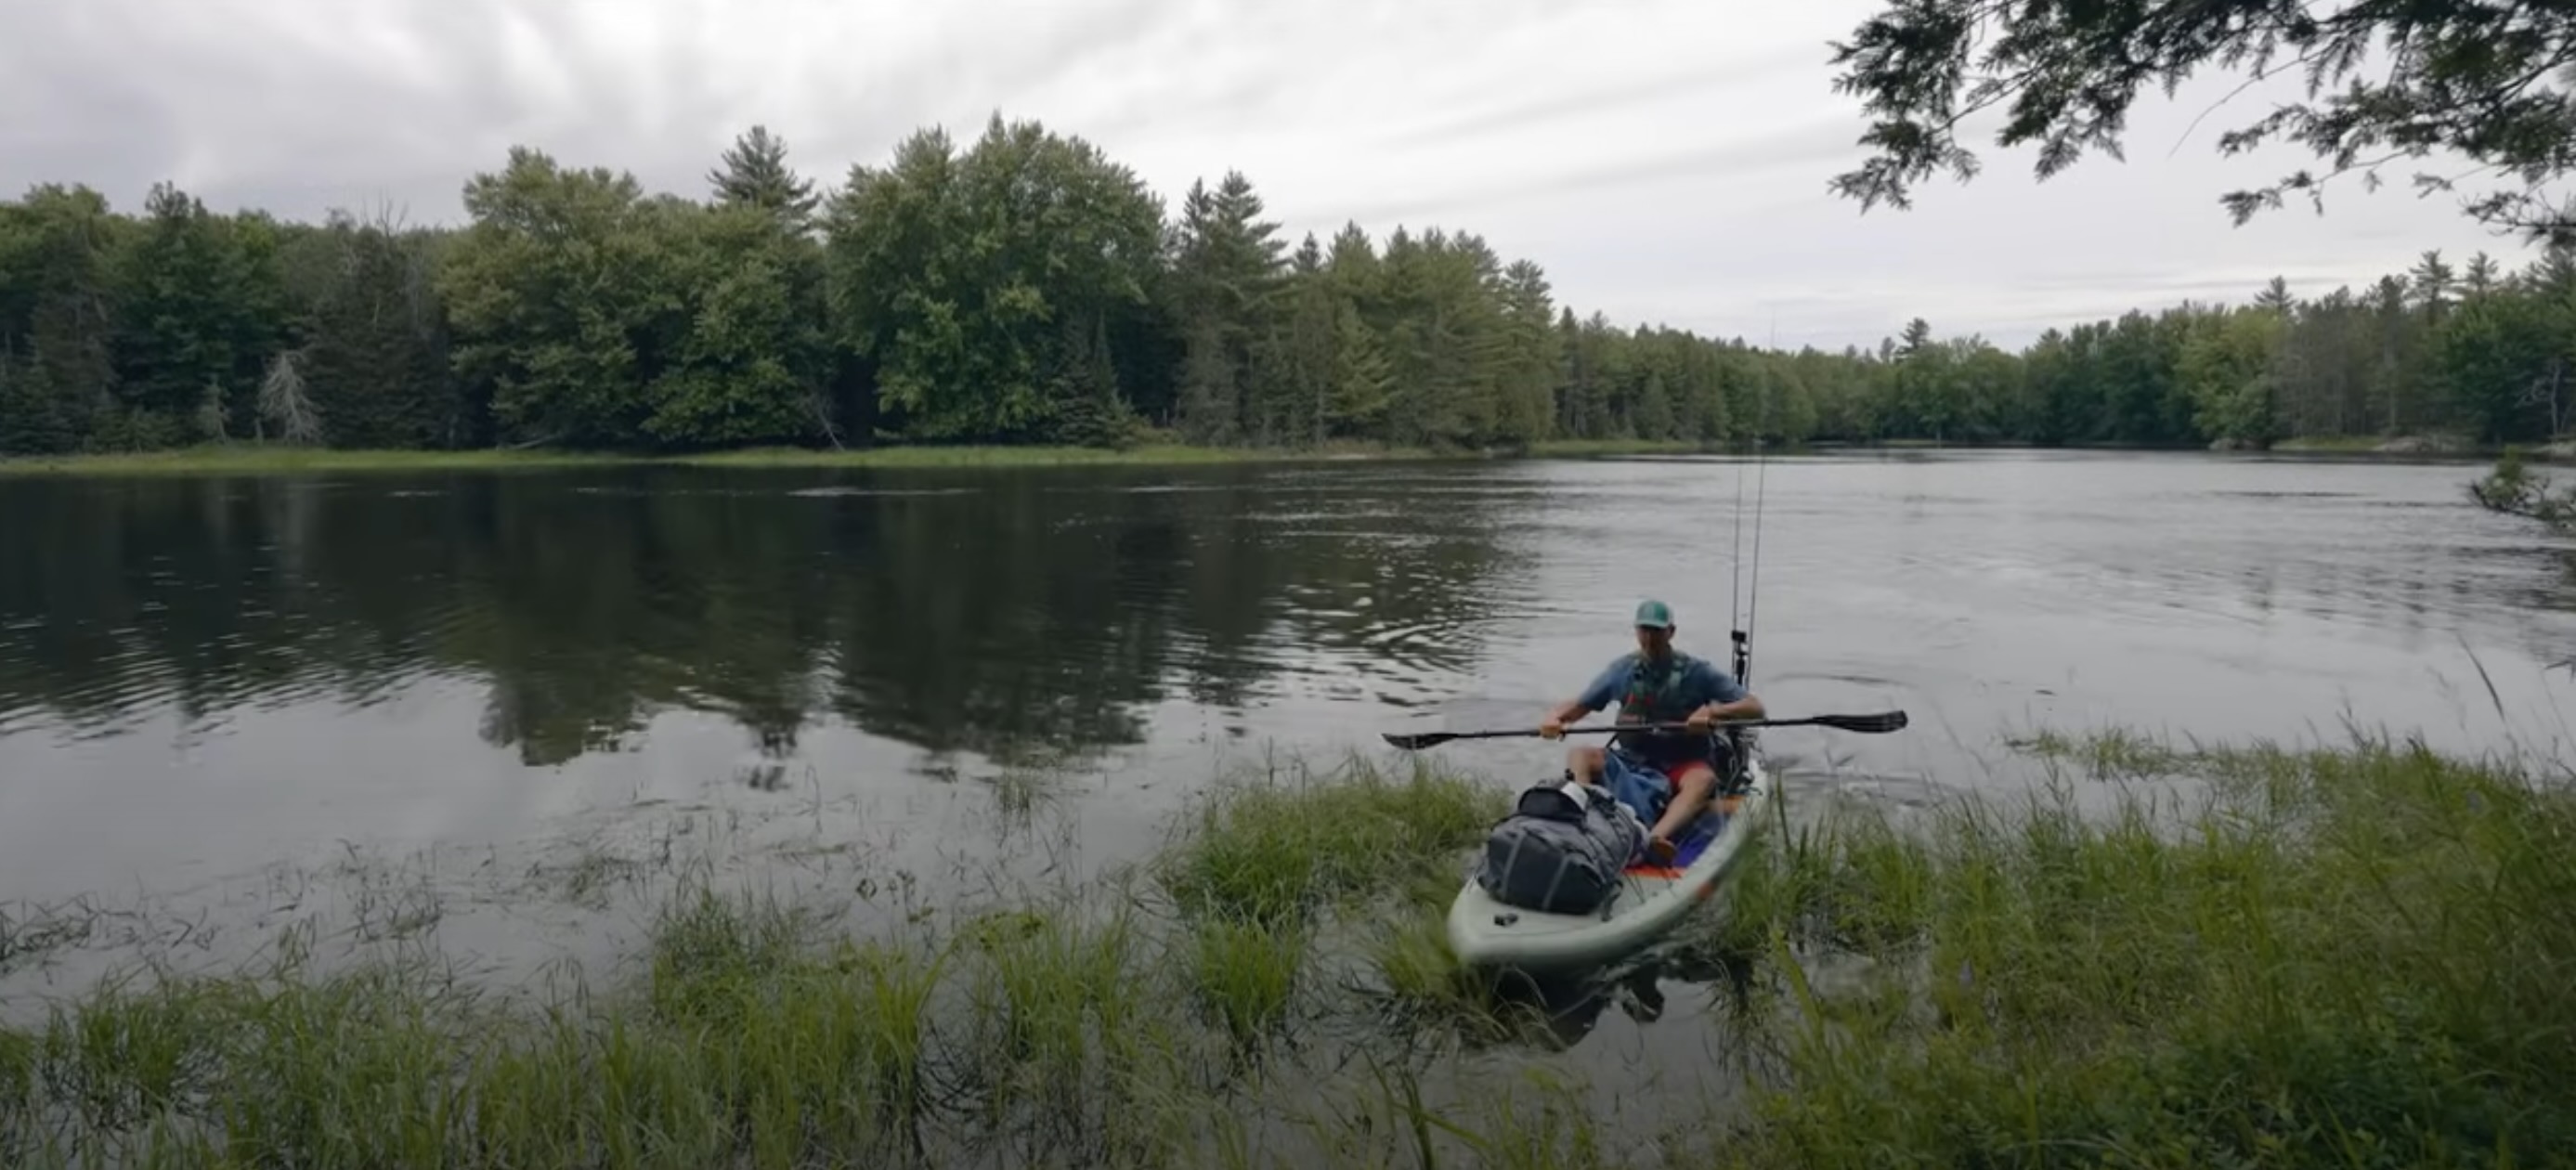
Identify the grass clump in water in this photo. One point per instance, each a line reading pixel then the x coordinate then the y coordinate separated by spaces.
pixel 1246 973
pixel 1422 986
pixel 1274 850
pixel 1053 992
pixel 799 1048
pixel 1849 881
pixel 1263 857
pixel 2116 753
pixel 2347 958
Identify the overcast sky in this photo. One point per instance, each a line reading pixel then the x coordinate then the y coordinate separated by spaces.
pixel 1664 160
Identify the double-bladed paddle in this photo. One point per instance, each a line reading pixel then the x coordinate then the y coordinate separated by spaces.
pixel 1879 724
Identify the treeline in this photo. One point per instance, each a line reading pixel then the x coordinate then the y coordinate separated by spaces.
pixel 1026 288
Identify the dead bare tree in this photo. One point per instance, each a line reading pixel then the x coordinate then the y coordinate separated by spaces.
pixel 814 401
pixel 282 400
pixel 2550 394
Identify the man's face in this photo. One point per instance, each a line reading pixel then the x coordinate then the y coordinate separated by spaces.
pixel 1653 642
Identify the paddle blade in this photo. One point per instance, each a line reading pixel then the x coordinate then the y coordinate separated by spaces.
pixel 1424 739
pixel 1879 724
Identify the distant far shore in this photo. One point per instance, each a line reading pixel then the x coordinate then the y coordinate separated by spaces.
pixel 249 458
pixel 253 458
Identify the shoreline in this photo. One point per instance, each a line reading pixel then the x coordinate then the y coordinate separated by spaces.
pixel 258 460
pixel 245 459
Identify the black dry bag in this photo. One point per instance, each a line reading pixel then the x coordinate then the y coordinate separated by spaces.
pixel 1561 850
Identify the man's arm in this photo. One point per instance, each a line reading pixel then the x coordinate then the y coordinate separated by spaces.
pixel 1604 688
pixel 1728 700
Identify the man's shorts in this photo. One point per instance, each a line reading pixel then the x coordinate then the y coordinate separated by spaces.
pixel 1643 787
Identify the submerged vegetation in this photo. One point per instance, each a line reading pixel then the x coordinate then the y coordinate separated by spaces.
pixel 2354 957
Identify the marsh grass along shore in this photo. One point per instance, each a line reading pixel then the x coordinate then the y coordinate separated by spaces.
pixel 2351 957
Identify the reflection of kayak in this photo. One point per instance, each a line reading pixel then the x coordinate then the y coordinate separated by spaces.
pixel 1652 900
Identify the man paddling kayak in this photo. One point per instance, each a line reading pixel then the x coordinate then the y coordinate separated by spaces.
pixel 1666 777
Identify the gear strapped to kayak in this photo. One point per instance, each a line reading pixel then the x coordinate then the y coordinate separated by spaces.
pixel 1562 850
pixel 1493 928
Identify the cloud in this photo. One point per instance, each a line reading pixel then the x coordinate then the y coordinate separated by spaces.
pixel 1645 173
pixel 1665 160
pixel 1520 115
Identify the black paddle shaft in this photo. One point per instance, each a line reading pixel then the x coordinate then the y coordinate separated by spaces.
pixel 1879 724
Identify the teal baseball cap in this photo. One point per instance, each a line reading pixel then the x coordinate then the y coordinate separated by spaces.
pixel 1655 614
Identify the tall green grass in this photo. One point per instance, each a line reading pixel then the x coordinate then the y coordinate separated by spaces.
pixel 1363 856
pixel 1247 972
pixel 1106 1028
pixel 2360 957
pixel 2336 958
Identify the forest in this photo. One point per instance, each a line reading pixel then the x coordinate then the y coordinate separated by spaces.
pixel 1025 288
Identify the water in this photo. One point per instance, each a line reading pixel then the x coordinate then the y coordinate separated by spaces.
pixel 213 689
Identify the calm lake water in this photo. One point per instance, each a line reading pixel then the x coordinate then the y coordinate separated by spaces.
pixel 213 688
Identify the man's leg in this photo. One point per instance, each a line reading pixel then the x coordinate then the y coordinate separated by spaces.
pixel 1691 791
pixel 1641 788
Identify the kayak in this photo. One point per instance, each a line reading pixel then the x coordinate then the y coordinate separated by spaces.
pixel 1651 899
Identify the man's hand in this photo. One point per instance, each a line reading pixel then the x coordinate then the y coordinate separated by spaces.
pixel 1553 728
pixel 1701 719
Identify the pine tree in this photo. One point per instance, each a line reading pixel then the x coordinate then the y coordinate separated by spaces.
pixel 2432 281
pixel 376 364
pixel 32 421
pixel 2555 274
pixel 70 371
pixel 1655 409
pixel 1531 356
pixel 1089 411
pixel 1307 353
pixel 1227 276
pixel 1363 381
pixel 2392 339
pixel 754 172
pixel 2480 278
